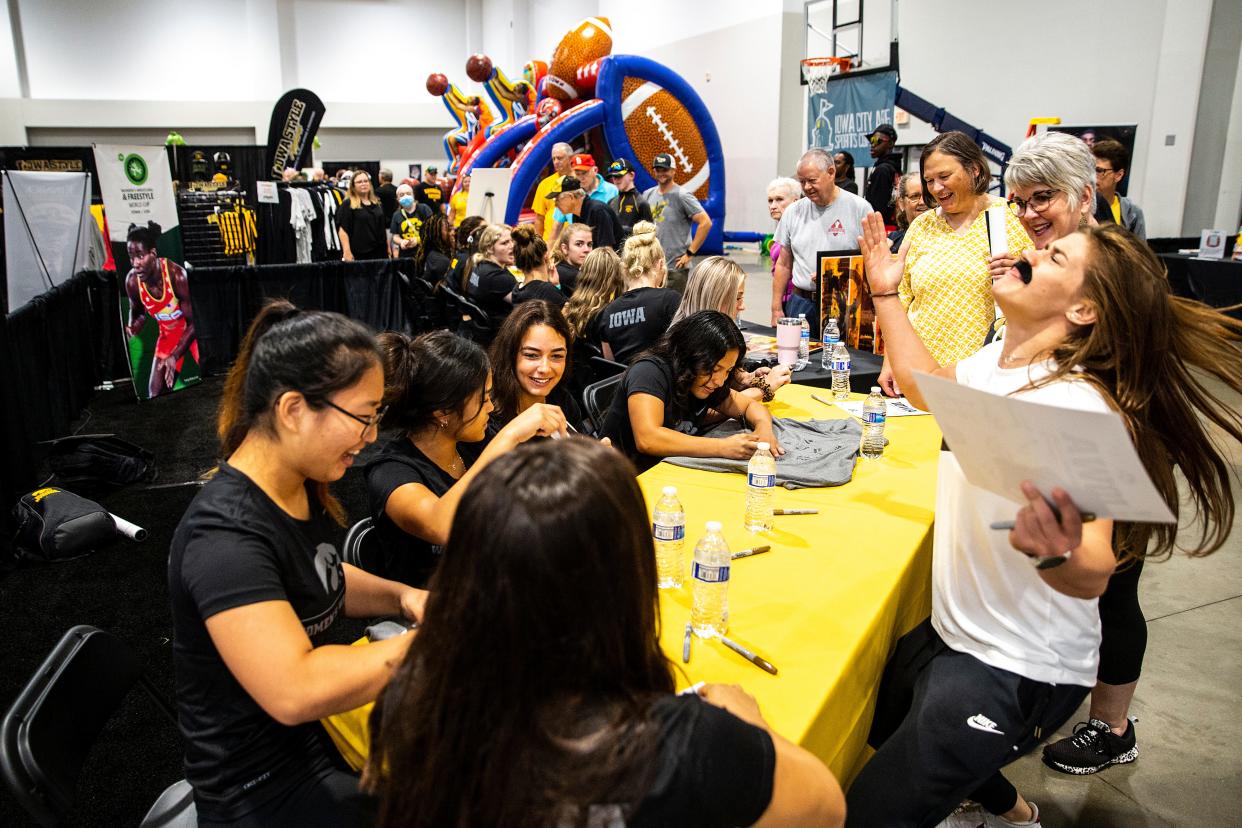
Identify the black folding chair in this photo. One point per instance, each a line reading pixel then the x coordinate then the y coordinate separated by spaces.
pixel 424 307
pixel 49 730
pixel 466 318
pixel 596 399
pixel 357 550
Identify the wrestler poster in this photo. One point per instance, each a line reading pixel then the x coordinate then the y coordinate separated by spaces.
pixel 843 293
pixel 157 314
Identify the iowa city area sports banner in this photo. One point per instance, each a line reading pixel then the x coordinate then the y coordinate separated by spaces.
pixel 295 120
pixel 156 312
pixel 843 116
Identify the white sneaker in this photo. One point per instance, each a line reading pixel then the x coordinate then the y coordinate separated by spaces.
pixel 973 815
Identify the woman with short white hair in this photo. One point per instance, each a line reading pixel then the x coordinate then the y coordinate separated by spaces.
pixel 782 192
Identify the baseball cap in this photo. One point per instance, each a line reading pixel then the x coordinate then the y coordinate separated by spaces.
pixel 567 184
pixel 884 129
pixel 663 160
pixel 618 168
pixel 432 170
pixel 582 162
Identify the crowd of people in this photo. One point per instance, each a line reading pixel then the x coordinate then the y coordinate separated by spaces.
pixel 518 701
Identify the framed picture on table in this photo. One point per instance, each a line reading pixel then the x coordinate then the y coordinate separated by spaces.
pixel 841 292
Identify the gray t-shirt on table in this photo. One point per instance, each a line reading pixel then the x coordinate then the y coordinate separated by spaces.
pixel 671 212
pixel 807 229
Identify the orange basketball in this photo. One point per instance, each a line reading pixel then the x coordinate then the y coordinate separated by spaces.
pixel 437 84
pixel 479 68
pixel 590 40
pixel 657 122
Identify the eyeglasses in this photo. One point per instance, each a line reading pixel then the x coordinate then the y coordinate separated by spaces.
pixel 367 422
pixel 1038 202
pixel 1102 170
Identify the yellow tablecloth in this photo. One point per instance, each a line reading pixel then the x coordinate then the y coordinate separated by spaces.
pixel 824 606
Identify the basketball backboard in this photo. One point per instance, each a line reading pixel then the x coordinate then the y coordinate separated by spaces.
pixel 858 29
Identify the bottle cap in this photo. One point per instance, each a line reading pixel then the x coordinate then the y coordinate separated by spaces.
pixel 764 447
pixel 670 491
pixel 875 389
pixel 802 316
pixel 713 526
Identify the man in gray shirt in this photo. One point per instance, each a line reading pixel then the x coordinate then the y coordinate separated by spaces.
pixel 674 210
pixel 828 219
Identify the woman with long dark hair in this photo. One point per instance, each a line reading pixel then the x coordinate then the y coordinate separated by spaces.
pixel 257 583
pixel 434 255
pixel 536 693
pixel 681 385
pixel 1011 650
pixel 531 364
pixel 439 396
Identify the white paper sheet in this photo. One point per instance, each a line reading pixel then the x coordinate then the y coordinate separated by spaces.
pixel 895 408
pixel 1000 441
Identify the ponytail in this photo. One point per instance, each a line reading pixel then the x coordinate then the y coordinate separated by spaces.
pixel 314 353
pixel 435 372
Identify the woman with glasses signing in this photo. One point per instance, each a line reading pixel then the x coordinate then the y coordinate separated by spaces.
pixel 946 288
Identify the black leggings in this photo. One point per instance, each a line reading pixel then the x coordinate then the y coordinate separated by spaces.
pixel 1124 627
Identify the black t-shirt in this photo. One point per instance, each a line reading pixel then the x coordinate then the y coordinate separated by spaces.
pixel 488 286
pixel 880 185
pixel 429 194
pixel 654 376
pixel 604 224
pixel 394 553
pixel 235 547
pixel 366 228
pixel 713 769
pixel 636 319
pixel 436 267
pixel 538 289
pixel 388 197
pixel 559 396
pixel 408 226
pixel 568 277
pixel 631 208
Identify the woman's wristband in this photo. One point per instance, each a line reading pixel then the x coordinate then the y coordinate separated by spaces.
pixel 884 295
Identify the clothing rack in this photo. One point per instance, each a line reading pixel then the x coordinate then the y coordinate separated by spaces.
pixel 278 232
pixel 202 240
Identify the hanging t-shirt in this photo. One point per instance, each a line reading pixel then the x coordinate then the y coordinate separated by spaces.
pixel 636 319
pixel 409 226
pixel 366 228
pixel 394 553
pixel 806 230
pixel 987 599
pixel 234 547
pixel 654 376
pixel 538 289
pixel 568 277
pixel 488 286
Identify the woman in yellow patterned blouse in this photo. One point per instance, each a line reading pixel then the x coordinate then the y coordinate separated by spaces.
pixel 947 287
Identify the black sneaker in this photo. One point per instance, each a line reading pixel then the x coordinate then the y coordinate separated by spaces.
pixel 1091 749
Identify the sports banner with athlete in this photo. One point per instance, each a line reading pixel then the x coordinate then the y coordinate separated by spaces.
pixel 157 315
pixel 850 109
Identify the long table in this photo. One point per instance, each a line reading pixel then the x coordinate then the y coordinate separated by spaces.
pixel 824 606
pixel 864 365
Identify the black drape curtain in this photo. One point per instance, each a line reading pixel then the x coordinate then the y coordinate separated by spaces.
pixel 245 165
pixel 226 299
pixel 54 350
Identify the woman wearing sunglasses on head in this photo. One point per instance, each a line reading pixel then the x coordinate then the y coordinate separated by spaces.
pixel 257 584
pixel 1011 649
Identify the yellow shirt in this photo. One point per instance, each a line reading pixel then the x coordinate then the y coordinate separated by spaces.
pixel 946 288
pixel 458 205
pixel 543 205
pixel 1116 207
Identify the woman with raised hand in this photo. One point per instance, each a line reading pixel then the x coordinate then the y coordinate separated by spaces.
pixel 573 244
pixel 638 317
pixel 257 584
pixel 599 282
pixel 1011 649
pixel 536 692
pixel 719 283
pixel 946 288
pixel 439 396
pixel 680 387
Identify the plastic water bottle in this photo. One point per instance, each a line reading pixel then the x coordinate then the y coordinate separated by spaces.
pixel 804 344
pixel 832 335
pixel 668 528
pixel 709 616
pixel 760 480
pixel 840 371
pixel 875 412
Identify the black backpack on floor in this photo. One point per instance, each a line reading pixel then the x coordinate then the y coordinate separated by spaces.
pixel 55 525
pixel 91 460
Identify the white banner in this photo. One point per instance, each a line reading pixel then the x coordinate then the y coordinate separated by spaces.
pixel 136 186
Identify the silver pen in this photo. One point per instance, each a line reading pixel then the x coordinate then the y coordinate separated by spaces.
pixel 755 659
pixel 746 553
pixel 685 645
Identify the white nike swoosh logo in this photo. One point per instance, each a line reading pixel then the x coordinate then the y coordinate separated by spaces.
pixel 981 722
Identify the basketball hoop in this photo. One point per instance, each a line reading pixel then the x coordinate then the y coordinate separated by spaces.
pixel 817 70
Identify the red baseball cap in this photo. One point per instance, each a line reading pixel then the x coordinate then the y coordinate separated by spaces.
pixel 582 162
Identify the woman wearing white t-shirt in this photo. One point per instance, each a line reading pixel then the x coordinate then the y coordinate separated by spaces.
pixel 1011 650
